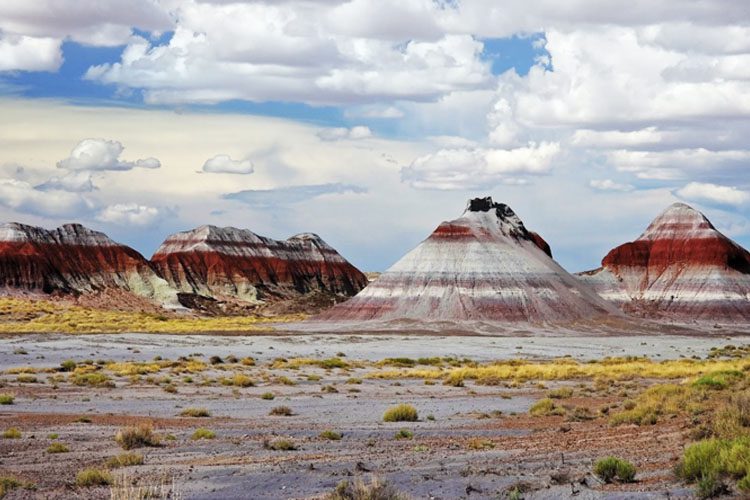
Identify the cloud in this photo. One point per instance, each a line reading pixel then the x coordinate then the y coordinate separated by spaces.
pixel 342 133
pixel 129 214
pixel 479 168
pixel 312 52
pixel 271 198
pixel 224 164
pixel 377 112
pixel 23 197
pixel 101 154
pixel 25 53
pixel 713 193
pixel 74 182
pixel 609 185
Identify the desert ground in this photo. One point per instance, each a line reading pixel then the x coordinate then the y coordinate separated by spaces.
pixel 292 416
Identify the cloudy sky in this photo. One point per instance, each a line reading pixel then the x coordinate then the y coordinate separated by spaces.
pixel 370 121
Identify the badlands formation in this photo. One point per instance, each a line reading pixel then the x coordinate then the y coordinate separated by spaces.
pixel 73 259
pixel 680 268
pixel 484 266
pixel 229 262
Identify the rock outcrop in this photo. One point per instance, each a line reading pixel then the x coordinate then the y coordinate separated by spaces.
pixel 73 259
pixel 681 267
pixel 239 264
pixel 484 266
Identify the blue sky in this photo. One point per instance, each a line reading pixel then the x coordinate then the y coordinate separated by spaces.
pixel 369 122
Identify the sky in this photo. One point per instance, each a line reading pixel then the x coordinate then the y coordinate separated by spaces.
pixel 369 122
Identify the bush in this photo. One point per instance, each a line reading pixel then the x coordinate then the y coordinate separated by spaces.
pixel 6 399
pixel 136 437
pixel 280 445
pixel 708 461
pixel 377 489
pixel 610 468
pixel 93 477
pixel 124 460
pixel 241 380
pixel 480 444
pixel 203 433
pixel 331 435
pixel 401 413
pixel 12 433
pixel 561 393
pixel 267 396
pixel 68 365
pixel 281 411
pixel 248 361
pixel 545 407
pixel 92 380
pixel 404 434
pixel 195 412
pixel 57 447
pixel 8 483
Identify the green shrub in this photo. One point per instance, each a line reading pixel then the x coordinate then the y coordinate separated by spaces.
pixel 57 447
pixel 280 445
pixel 136 437
pixel 401 413
pixel 202 433
pixel 92 380
pixel 124 460
pixel 68 365
pixel 267 396
pixel 331 435
pixel 404 434
pixel 545 407
pixel 12 433
pixel 27 378
pixel 53 435
pixel 6 399
pixel 610 468
pixel 560 393
pixel 93 477
pixel 195 412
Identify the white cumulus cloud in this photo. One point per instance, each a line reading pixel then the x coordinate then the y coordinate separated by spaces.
pixel 101 154
pixel 480 167
pixel 713 193
pixel 609 185
pixel 224 164
pixel 341 133
pixel 129 214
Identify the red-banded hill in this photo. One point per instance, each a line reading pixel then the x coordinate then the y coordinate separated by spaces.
pixel 73 259
pixel 230 263
pixel 681 268
pixel 483 266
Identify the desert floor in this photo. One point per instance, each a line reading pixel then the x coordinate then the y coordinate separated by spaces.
pixel 474 437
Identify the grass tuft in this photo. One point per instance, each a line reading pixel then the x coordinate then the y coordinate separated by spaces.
pixel 57 447
pixel 140 436
pixel 401 413
pixel 203 433
pixel 93 477
pixel 607 469
pixel 195 412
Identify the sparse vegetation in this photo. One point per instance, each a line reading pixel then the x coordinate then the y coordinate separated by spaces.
pixel 480 444
pixel 203 433
pixel 10 483
pixel 401 413
pixel 195 412
pixel 124 460
pixel 545 407
pixel 6 399
pixel 280 445
pixel 93 477
pixel 711 461
pixel 607 469
pixel 376 489
pixel 331 435
pixel 403 434
pixel 57 447
pixel 560 393
pixel 12 433
pixel 140 436
pixel 267 396
pixel 281 411
pixel 41 316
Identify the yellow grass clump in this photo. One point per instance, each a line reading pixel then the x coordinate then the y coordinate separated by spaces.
pixel 40 316
pixel 569 369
